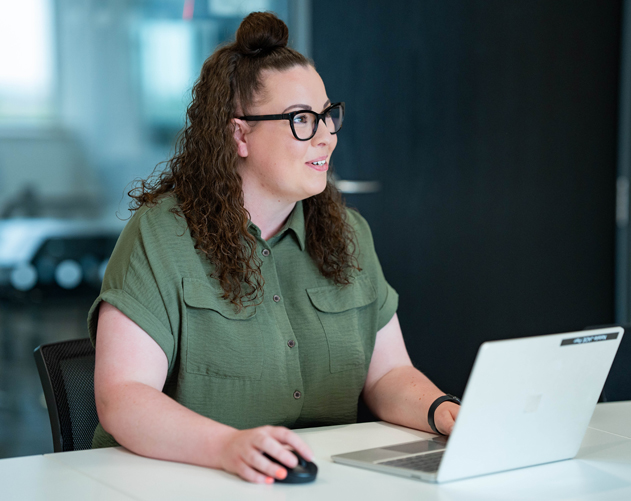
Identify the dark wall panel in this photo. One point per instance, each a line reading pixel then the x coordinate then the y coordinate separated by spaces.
pixel 492 127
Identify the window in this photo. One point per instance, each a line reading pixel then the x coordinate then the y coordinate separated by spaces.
pixel 167 70
pixel 26 60
pixel 174 39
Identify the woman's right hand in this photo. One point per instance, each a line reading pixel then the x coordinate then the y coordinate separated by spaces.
pixel 243 453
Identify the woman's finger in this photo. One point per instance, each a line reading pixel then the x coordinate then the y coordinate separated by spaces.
pixel 288 437
pixel 248 473
pixel 256 460
pixel 276 450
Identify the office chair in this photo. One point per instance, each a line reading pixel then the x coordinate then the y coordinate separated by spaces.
pixel 618 384
pixel 66 370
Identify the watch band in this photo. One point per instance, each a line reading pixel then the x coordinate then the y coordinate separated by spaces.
pixel 432 409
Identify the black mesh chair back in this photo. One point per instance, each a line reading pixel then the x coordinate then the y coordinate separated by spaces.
pixel 618 384
pixel 66 370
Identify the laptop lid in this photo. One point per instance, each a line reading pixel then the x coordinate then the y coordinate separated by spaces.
pixel 528 401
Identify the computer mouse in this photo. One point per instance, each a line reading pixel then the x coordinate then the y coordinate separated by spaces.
pixel 305 471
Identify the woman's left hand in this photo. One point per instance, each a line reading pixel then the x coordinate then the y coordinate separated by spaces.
pixel 445 417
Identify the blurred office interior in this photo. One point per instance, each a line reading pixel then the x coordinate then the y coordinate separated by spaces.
pixel 486 142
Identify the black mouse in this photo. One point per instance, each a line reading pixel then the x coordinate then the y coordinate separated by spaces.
pixel 305 471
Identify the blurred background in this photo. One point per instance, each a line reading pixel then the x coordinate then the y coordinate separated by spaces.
pixel 488 143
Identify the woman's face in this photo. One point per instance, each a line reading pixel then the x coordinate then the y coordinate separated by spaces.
pixel 275 165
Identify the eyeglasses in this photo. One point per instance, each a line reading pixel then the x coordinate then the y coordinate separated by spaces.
pixel 304 123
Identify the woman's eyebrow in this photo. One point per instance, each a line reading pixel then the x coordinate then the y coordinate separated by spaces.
pixel 298 106
pixel 305 106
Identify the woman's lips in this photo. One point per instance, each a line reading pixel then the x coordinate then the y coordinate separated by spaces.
pixel 319 164
pixel 319 168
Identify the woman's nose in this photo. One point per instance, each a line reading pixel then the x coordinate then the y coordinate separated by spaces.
pixel 322 135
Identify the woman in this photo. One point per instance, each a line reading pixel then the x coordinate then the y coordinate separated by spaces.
pixel 242 298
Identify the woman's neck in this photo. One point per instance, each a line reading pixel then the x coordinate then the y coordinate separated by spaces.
pixel 268 215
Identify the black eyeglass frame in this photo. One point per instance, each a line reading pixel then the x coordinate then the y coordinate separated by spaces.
pixel 290 116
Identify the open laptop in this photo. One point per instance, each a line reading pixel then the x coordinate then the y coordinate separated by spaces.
pixel 528 401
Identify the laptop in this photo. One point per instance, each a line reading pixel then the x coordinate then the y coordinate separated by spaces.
pixel 528 401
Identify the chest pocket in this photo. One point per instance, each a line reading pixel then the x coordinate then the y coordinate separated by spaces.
pixel 346 318
pixel 221 342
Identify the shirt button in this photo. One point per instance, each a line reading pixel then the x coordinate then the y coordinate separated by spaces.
pixel 276 298
pixel 297 394
pixel 265 252
pixel 291 343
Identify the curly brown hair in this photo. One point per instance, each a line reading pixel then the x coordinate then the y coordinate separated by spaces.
pixel 202 173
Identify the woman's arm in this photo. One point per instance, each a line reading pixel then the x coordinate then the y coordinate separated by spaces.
pixel 397 392
pixel 130 373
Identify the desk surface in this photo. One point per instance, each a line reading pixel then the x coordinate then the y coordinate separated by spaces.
pixel 601 471
pixel 613 417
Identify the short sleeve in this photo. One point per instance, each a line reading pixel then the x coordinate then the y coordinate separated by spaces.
pixel 389 306
pixel 387 297
pixel 140 279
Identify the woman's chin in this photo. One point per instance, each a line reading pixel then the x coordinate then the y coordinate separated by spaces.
pixel 311 194
pixel 313 188
pixel 317 187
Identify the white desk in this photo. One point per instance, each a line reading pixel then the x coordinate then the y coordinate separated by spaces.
pixel 601 471
pixel 37 477
pixel 614 417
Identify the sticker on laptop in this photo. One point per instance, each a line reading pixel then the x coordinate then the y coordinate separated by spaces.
pixel 589 339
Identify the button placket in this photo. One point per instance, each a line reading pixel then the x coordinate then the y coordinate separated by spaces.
pixel 285 331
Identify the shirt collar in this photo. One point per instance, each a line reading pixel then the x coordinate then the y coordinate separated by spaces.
pixel 295 222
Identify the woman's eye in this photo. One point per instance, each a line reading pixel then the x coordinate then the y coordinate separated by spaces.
pixel 302 119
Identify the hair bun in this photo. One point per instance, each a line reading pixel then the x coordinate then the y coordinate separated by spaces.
pixel 261 32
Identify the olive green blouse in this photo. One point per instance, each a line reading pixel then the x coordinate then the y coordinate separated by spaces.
pixel 298 359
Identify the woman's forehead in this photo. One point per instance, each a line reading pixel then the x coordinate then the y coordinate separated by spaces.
pixel 296 85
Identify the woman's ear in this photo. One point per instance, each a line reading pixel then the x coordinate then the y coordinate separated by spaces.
pixel 240 132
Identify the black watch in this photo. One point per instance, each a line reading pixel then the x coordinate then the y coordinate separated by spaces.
pixel 432 408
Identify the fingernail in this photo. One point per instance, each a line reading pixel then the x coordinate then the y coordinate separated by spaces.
pixel 269 480
pixel 281 473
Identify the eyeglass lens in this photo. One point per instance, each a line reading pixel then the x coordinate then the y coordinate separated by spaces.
pixel 305 124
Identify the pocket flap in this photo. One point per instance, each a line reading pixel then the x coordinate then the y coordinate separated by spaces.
pixel 335 298
pixel 199 294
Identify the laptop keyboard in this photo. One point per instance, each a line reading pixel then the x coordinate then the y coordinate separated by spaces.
pixel 420 462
